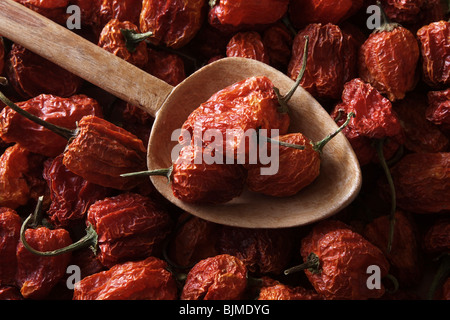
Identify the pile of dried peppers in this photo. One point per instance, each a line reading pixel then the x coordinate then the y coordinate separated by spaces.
pixel 68 209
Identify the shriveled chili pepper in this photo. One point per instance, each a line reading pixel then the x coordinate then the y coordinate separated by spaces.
pixel 10 223
pixel 374 118
pixel 304 12
pixel 388 60
pixel 194 240
pixel 222 277
pixel 324 78
pixel 172 23
pixel 402 11
pixel 57 110
pixel 435 53
pixel 436 239
pixel 166 66
pixel 37 275
pixel 71 195
pixel 422 182
pixel 421 135
pixel 121 151
pixel 336 260
pixel 438 110
pixel 124 227
pixel 297 168
pixel 246 13
pixel 249 45
pixel 52 9
pixel 25 71
pixel 275 290
pixel 123 10
pixel 263 251
pixel 278 40
pixel 14 191
pixel 10 293
pixel 405 255
pixel 112 40
pixel 147 279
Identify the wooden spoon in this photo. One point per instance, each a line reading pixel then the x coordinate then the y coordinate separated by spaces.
pixel 340 178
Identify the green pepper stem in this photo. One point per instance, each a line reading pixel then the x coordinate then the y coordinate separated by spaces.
pixel 285 144
pixel 283 100
pixel 63 132
pixel 312 264
pixel 158 172
pixel 90 238
pixel 386 23
pixel 133 38
pixel 319 145
pixel 387 172
pixel 442 273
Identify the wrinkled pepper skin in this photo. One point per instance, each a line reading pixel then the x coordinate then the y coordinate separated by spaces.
pixel 145 280
pixel 245 13
pixel 166 66
pixel 405 255
pixel 174 23
pixel 324 78
pixel 52 9
pixel 245 105
pixel 129 227
pixel 434 42
pixel 374 118
pixel 123 10
pixel 278 41
pixel 37 275
pixel 222 277
pixel 102 151
pixel 275 290
pixel 344 256
pixel 402 11
pixel 26 70
pixel 14 191
pixel 422 182
pixel 388 61
pixel 263 251
pixel 10 224
pixel 64 112
pixel 112 40
pixel 199 182
pixel 248 45
pixel 71 195
pixel 296 169
pixel 436 239
pixel 438 110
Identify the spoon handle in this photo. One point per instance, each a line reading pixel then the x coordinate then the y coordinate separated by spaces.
pixel 81 57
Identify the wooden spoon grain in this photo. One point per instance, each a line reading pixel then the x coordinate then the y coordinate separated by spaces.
pixel 340 178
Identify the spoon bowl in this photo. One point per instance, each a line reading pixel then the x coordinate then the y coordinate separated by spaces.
pixel 340 178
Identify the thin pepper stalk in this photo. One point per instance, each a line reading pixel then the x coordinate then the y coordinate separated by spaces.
pixel 90 239
pixel 442 273
pixel 386 23
pixel 311 264
pixel 379 146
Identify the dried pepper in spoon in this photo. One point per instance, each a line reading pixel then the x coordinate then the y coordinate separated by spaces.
pixel 97 150
pixel 297 168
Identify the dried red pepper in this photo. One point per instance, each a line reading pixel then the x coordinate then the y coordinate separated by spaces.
pixel 123 10
pixel 405 255
pixel 421 135
pixel 403 11
pixel 59 111
pixel 25 71
pixel 298 165
pixel 71 195
pixel 324 78
pixel 249 45
pixel 172 23
pixel 52 9
pixel 225 13
pixel 388 60
pixel 278 40
pixel 275 290
pixel 10 293
pixel 422 182
pixel 136 280
pixel 336 260
pixel 124 227
pixel 37 275
pixel 112 40
pixel 263 251
pixel 438 110
pixel 436 239
pixel 10 223
pixel 304 12
pixel 222 277
pixel 435 52
pixel 168 67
